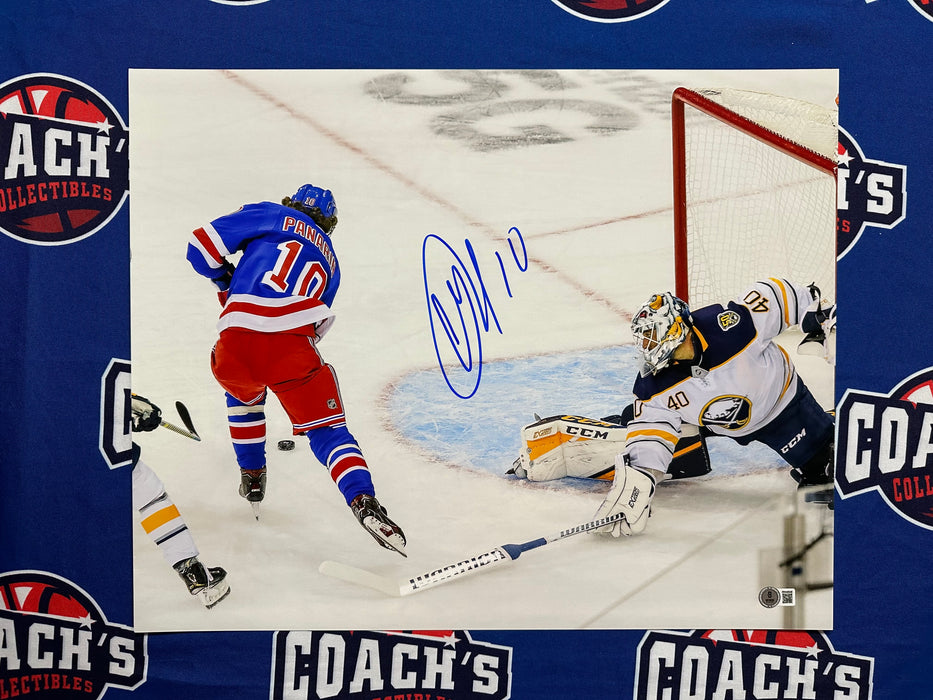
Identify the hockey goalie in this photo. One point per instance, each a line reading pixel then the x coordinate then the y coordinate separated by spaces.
pixel 713 371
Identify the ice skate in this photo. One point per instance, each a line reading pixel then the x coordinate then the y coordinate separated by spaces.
pixel 376 522
pixel 208 584
pixel 253 487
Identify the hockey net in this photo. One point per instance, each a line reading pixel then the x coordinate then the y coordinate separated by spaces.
pixel 754 192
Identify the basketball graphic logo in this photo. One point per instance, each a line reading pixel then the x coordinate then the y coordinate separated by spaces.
pixel 748 663
pixel 64 154
pixel 870 193
pixel 885 444
pixel 36 609
pixel 379 665
pixel 610 10
pixel 924 7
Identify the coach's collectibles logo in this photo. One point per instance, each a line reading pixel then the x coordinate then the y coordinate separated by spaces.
pixel 871 193
pixel 748 664
pixel 440 665
pixel 64 160
pixel 886 445
pixel 610 10
pixel 56 642
pixel 924 7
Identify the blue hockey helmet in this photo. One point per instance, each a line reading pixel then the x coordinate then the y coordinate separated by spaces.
pixel 317 203
pixel 659 327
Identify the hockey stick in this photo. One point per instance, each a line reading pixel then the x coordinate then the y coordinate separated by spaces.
pixel 186 419
pixel 481 562
pixel 180 431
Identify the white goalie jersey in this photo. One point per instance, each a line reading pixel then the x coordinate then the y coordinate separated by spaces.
pixel 738 382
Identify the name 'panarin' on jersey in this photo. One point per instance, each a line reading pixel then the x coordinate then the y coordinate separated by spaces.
pixel 740 381
pixel 287 276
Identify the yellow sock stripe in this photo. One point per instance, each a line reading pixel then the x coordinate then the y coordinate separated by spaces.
pixel 667 437
pixel 159 518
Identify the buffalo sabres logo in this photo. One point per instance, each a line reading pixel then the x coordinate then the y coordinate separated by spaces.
pixel 871 193
pixel 886 445
pixel 728 319
pixel 729 412
pixel 64 159
pixel 610 10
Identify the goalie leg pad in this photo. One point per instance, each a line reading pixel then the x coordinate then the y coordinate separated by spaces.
pixel 560 446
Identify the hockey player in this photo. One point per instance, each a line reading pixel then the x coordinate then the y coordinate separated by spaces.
pixel 162 521
pixel 276 308
pixel 718 368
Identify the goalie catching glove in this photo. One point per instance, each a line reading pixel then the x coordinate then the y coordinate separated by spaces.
pixel 631 494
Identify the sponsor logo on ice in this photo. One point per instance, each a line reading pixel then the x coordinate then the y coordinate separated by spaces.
pixel 64 159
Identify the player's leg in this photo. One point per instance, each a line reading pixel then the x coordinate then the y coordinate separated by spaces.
pixel 247 424
pixel 316 409
pixel 233 362
pixel 165 526
pixel 803 436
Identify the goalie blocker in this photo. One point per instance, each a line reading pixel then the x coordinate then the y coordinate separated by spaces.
pixel 586 448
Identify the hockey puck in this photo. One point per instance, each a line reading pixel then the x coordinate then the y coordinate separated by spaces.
pixel 286 445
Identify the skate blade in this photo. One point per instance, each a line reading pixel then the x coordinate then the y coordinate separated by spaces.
pixel 213 595
pixel 393 541
pixel 257 509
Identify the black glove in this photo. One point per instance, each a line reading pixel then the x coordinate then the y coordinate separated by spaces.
pixel 146 415
pixel 224 275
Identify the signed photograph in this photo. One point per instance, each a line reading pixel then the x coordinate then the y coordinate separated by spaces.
pixel 456 349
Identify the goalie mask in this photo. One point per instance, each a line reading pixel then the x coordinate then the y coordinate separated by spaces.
pixel 659 327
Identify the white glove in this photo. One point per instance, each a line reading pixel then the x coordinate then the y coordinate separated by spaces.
pixel 631 494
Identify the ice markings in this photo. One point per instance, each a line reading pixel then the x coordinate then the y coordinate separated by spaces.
pixel 460 310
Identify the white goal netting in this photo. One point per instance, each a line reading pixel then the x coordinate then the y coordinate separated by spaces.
pixel 755 192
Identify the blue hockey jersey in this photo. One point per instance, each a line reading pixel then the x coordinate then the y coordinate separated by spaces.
pixel 286 277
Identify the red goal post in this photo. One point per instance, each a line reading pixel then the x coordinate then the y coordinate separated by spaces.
pixel 754 192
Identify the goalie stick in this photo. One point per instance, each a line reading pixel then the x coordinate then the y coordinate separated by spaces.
pixel 481 562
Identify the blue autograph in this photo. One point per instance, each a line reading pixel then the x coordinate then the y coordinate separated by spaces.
pixel 464 311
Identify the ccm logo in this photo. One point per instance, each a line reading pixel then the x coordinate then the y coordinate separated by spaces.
pixel 797 438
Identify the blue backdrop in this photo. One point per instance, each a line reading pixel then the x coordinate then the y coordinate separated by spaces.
pixel 65 520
